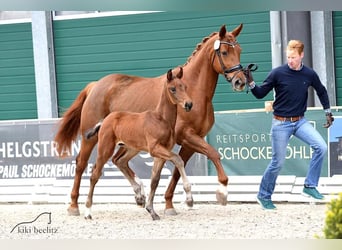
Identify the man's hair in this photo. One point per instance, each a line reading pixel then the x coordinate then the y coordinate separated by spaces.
pixel 296 45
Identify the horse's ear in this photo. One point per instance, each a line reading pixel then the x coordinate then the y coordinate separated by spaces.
pixel 180 73
pixel 237 30
pixel 169 75
pixel 223 31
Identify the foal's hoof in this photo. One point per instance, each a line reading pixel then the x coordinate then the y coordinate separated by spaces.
pixel 170 212
pixel 155 217
pixel 190 202
pixel 74 211
pixel 140 200
pixel 221 198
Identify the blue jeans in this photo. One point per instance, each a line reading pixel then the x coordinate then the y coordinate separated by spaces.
pixel 281 132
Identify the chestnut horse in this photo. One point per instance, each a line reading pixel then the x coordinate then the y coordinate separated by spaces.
pixel 150 131
pixel 219 53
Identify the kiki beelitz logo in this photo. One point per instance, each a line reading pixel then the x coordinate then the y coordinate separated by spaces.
pixel 40 225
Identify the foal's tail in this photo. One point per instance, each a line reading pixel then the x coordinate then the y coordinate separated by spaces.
pixel 70 124
pixel 93 131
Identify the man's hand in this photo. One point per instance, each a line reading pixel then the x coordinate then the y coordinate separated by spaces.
pixel 330 120
pixel 249 76
pixel 248 72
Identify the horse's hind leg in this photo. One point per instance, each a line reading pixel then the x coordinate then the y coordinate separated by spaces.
pixel 96 174
pixel 155 177
pixel 81 164
pixel 120 159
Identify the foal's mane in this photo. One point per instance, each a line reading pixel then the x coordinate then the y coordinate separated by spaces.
pixel 198 47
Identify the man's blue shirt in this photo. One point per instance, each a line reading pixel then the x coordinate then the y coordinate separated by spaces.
pixel 291 90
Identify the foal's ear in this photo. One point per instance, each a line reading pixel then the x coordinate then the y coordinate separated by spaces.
pixel 180 73
pixel 169 75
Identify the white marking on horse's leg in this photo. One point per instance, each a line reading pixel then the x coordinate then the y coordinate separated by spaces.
pixel 222 189
pixel 222 194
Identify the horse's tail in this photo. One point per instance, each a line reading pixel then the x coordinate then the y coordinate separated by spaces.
pixel 93 131
pixel 70 124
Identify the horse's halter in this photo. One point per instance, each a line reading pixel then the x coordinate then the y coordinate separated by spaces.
pixel 226 71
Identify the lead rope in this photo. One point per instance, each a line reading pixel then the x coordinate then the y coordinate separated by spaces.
pixel 250 67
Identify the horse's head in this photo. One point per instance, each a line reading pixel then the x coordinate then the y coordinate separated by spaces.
pixel 226 57
pixel 177 90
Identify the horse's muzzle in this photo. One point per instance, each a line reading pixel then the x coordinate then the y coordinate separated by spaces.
pixel 238 84
pixel 188 106
pixel 238 79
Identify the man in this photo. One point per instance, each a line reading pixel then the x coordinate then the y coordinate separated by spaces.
pixel 290 83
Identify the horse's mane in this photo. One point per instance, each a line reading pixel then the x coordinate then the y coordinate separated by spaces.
pixel 199 46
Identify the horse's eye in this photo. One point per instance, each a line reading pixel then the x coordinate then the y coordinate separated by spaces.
pixel 173 90
pixel 225 53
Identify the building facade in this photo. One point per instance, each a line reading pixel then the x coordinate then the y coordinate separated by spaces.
pixel 48 57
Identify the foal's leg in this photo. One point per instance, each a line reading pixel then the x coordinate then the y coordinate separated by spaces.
pixel 155 177
pixel 105 150
pixel 161 152
pixel 81 164
pixel 185 154
pixel 121 159
pixel 178 162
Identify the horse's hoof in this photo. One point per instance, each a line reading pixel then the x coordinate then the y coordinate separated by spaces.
pixel 88 217
pixel 170 211
pixel 73 211
pixel 221 198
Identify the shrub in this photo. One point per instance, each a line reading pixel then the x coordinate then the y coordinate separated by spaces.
pixel 333 219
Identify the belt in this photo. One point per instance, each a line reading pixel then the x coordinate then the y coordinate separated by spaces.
pixel 289 119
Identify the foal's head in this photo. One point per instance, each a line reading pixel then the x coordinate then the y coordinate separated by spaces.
pixel 176 90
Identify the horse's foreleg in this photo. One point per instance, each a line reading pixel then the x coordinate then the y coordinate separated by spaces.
pixel 121 159
pixel 179 164
pixel 155 177
pixel 222 191
pixel 198 144
pixel 81 164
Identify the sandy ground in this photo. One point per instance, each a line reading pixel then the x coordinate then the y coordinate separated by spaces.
pixel 127 221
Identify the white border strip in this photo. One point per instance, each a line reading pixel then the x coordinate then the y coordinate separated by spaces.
pixel 14 21
pixel 99 14
pixel 78 16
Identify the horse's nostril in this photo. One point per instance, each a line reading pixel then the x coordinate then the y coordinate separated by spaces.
pixel 239 85
pixel 188 106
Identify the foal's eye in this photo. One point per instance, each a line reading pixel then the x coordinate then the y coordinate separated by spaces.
pixel 173 90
